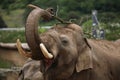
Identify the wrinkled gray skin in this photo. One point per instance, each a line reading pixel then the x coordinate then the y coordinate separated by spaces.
pixel 75 58
pixel 31 71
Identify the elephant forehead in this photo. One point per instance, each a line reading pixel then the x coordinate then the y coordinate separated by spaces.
pixel 31 65
pixel 54 34
pixel 51 34
pixel 46 38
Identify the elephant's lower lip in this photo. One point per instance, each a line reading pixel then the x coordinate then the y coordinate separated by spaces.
pixel 48 63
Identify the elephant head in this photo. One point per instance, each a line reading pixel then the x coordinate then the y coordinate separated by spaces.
pixel 61 49
pixel 30 70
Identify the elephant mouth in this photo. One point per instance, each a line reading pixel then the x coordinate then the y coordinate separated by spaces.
pixel 49 64
pixel 49 60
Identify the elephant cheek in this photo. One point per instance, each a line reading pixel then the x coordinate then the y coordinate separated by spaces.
pixel 67 71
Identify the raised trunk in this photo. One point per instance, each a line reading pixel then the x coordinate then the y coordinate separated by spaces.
pixel 31 30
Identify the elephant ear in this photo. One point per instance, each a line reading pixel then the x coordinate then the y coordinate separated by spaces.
pixel 85 58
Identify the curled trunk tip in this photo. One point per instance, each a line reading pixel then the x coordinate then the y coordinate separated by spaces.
pixel 32 6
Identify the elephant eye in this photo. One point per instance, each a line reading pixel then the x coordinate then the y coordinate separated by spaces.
pixel 64 40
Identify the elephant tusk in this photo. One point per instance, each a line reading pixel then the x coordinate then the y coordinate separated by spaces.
pixel 45 52
pixel 21 50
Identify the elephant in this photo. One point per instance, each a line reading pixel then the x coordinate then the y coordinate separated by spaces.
pixel 30 71
pixel 66 54
pixel 29 68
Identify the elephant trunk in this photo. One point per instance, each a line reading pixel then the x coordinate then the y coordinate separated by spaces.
pixel 31 30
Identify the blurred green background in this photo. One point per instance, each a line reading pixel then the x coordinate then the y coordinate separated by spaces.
pixel 13 14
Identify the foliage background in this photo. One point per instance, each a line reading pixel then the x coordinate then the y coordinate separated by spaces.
pixel 14 13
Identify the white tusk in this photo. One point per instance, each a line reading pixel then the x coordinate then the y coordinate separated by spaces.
pixel 21 50
pixel 45 52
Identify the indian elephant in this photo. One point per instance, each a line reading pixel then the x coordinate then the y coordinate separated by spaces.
pixel 29 68
pixel 66 54
pixel 31 71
